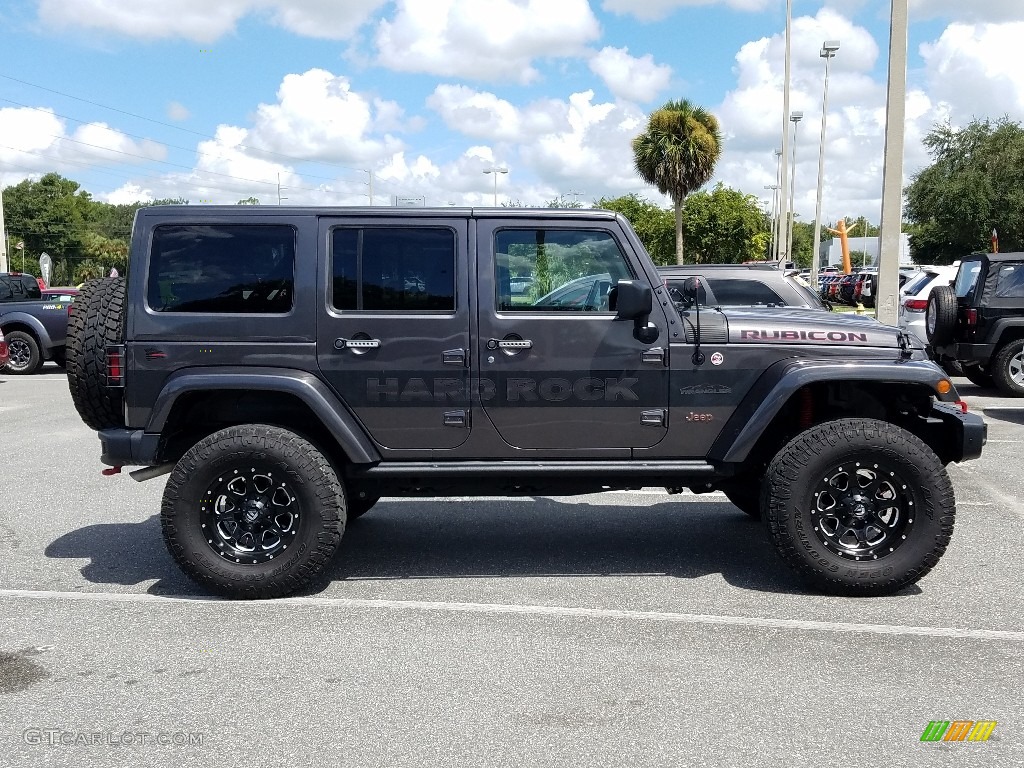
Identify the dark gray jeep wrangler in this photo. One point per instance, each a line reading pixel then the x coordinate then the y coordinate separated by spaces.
pixel 290 366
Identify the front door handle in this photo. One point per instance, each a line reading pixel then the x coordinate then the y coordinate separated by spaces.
pixel 515 344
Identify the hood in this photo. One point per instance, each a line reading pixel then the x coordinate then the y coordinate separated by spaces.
pixel 806 326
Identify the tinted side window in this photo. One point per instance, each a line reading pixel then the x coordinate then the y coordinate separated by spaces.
pixel 561 270
pixel 398 269
pixel 1010 284
pixel 741 292
pixel 966 277
pixel 30 287
pixel 5 289
pixel 247 268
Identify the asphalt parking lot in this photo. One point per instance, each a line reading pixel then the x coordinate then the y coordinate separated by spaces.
pixel 625 629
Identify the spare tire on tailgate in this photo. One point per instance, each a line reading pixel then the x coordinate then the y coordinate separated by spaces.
pixel 96 321
pixel 940 315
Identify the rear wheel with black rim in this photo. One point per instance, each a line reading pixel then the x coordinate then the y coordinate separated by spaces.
pixel 1008 368
pixel 859 507
pixel 253 511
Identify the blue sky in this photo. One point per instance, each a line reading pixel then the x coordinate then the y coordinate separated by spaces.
pixel 214 100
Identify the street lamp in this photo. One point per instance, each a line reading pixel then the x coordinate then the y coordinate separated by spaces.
pixel 783 212
pixel 795 118
pixel 828 52
pixel 496 171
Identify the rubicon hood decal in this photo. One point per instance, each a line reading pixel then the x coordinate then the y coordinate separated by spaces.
pixel 809 328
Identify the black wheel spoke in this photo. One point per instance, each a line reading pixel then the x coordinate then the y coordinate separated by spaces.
pixel 252 518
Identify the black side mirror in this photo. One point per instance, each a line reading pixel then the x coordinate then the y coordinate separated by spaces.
pixel 631 301
pixel 634 301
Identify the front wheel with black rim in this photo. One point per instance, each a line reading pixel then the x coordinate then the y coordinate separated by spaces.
pixel 1008 368
pixel 859 507
pixel 253 511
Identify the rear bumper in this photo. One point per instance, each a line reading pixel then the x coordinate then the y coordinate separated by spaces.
pixel 965 433
pixel 128 447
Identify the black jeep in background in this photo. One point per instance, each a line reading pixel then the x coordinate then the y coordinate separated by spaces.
pixel 978 321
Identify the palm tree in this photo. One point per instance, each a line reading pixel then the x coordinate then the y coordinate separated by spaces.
pixel 677 154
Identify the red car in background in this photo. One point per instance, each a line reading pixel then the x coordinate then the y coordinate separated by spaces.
pixel 4 354
pixel 59 293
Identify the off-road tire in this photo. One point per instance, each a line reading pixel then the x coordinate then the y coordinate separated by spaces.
pixel 25 357
pixel 294 467
pixel 978 376
pixel 940 315
pixel 96 321
pixel 860 449
pixel 1008 368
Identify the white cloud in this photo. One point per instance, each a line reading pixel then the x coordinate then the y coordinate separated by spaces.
pixel 483 115
pixel 177 111
pixel 495 41
pixel 978 70
pixel 36 141
pixel 628 77
pixel 972 10
pixel 203 21
pixel 653 10
pixel 319 117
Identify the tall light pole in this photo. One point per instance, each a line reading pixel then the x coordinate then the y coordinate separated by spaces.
pixel 784 213
pixel 828 52
pixel 795 118
pixel 777 212
pixel 892 171
pixel 775 205
pixel 496 171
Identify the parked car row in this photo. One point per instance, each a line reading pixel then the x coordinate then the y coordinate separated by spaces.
pixel 33 322
pixel 858 287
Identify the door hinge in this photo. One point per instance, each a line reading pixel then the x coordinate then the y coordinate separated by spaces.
pixel 655 355
pixel 655 418
pixel 456 418
pixel 453 357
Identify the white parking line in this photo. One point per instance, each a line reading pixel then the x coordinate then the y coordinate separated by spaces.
pixel 527 610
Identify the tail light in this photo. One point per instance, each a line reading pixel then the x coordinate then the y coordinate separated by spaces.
pixel 972 317
pixel 115 365
pixel 916 305
pixel 3 349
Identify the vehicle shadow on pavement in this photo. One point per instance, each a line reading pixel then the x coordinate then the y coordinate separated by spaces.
pixel 125 554
pixel 427 539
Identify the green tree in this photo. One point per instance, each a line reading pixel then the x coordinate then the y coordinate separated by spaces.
pixel 975 184
pixel 677 154
pixel 249 201
pixel 652 224
pixel 803 244
pixel 725 226
pixel 563 202
pixel 47 215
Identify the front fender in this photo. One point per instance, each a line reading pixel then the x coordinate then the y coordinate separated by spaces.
pixel 781 381
pixel 331 412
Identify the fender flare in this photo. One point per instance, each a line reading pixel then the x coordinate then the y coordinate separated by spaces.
pixel 23 318
pixel 999 328
pixel 325 405
pixel 781 381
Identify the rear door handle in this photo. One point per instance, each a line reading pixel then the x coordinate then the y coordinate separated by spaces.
pixel 357 344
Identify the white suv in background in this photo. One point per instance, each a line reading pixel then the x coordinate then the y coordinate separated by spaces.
pixel 914 297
